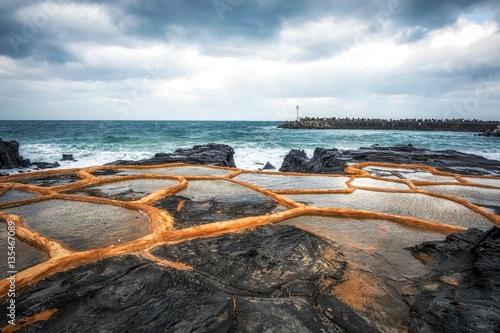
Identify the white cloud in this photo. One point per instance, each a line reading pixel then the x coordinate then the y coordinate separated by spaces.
pixel 463 34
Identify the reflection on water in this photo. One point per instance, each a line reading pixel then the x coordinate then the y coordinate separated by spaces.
pixel 81 225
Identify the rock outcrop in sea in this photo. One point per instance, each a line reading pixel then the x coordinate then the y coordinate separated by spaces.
pixel 10 158
pixel 9 155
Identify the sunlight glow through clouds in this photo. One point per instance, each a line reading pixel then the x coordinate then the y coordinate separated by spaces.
pixel 463 34
pixel 380 56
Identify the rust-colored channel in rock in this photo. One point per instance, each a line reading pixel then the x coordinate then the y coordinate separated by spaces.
pixel 44 315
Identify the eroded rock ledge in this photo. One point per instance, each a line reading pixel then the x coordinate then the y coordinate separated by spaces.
pixel 267 278
pixel 208 154
pixel 463 292
pixel 334 161
pixel 251 281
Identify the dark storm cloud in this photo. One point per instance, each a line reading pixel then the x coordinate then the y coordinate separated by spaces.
pixel 216 20
pixel 437 14
pixel 30 35
pixel 220 18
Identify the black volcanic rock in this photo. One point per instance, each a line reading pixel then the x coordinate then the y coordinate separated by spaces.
pixel 189 213
pixel 268 166
pixel 323 161
pixel 209 154
pixel 45 165
pixel 334 161
pixel 9 155
pixel 463 292
pixel 240 282
pixel 260 262
pixel 67 157
pixel 10 158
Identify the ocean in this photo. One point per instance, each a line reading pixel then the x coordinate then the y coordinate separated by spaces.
pixel 255 142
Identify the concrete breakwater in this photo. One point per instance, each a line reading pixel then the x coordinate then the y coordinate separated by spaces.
pixel 456 125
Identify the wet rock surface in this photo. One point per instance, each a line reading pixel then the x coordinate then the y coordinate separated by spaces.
pixel 263 261
pixel 49 181
pixel 268 166
pixel 334 161
pixel 240 282
pixel 463 292
pixel 9 155
pixel 128 190
pixel 208 154
pixel 26 255
pixel 189 213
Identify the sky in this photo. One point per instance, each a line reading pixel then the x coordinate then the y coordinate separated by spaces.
pixel 249 59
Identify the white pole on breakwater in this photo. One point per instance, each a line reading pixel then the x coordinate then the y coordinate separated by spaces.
pixel 297 113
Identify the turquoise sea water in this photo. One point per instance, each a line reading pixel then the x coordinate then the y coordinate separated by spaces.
pixel 100 142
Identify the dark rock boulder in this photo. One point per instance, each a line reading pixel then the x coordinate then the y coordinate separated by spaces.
pixel 10 158
pixel 268 166
pixel 295 161
pixel 209 154
pixel 323 161
pixel 334 161
pixel 45 165
pixel 462 294
pixel 67 157
pixel 9 155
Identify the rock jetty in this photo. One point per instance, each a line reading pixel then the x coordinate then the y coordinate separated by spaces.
pixel 455 125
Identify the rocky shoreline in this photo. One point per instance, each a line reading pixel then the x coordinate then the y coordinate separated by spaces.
pixel 222 254
pixel 334 161
pixel 10 158
pixel 323 161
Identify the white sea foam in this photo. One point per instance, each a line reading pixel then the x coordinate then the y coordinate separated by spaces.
pixel 248 158
pixel 255 143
